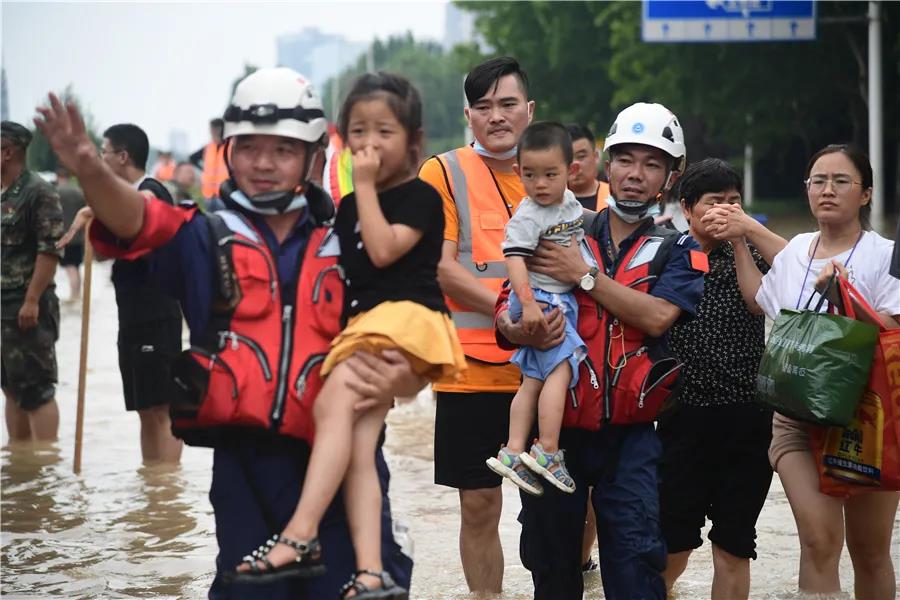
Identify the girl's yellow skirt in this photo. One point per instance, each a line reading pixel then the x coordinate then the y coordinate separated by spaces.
pixel 427 338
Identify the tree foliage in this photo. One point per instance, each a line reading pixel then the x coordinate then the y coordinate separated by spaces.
pixel 437 75
pixel 586 61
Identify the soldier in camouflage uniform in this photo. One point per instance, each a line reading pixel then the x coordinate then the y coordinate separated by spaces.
pixel 31 225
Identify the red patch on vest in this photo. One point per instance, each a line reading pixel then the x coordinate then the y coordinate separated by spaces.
pixel 699 261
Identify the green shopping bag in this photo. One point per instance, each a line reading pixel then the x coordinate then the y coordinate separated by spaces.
pixel 816 365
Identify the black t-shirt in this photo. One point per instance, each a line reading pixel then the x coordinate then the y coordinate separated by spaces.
pixel 412 276
pixel 589 202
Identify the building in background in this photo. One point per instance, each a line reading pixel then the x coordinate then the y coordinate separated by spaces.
pixel 316 54
pixel 4 96
pixel 459 26
pixel 178 144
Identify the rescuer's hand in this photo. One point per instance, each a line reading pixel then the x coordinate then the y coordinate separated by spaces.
pixel 64 129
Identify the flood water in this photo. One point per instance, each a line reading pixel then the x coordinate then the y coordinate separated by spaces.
pixel 120 530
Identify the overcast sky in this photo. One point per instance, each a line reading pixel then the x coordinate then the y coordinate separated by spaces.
pixel 169 66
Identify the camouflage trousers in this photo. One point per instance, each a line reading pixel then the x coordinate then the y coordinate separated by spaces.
pixel 29 369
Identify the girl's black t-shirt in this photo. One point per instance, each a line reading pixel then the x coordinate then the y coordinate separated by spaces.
pixel 412 276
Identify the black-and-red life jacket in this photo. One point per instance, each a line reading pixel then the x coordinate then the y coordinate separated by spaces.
pixel 627 375
pixel 257 369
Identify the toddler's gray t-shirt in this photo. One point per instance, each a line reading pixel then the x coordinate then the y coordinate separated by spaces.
pixel 533 222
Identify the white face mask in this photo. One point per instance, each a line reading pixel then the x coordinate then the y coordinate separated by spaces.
pixel 244 202
pixel 482 151
pixel 652 210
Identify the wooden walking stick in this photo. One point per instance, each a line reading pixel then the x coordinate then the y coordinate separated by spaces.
pixel 82 362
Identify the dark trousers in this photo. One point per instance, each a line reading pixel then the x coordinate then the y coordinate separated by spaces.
pixel 255 489
pixel 620 463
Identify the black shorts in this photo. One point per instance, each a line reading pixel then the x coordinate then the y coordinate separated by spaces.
pixel 73 256
pixel 714 464
pixel 469 428
pixel 145 355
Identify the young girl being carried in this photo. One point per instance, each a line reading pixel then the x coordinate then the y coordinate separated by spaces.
pixel 391 231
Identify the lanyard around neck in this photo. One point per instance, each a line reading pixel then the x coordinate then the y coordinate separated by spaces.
pixel 809 264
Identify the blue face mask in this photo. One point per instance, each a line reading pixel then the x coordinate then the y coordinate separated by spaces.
pixel 482 151
pixel 651 209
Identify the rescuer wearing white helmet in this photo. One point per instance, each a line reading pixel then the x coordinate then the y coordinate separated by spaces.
pixel 261 292
pixel 646 278
pixel 651 125
pixel 275 102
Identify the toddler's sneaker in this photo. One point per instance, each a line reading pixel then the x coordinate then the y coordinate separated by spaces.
pixel 510 466
pixel 551 467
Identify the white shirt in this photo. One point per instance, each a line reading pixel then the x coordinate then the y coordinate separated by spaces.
pixel 783 285
pixel 138 183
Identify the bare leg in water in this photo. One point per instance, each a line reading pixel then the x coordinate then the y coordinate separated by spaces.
pixel 343 452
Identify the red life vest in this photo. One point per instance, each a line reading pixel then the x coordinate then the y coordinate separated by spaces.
pixel 627 375
pixel 259 366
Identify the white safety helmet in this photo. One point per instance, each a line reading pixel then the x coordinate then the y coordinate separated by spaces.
pixel 651 125
pixel 274 101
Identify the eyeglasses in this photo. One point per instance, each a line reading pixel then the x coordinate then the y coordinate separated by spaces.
pixel 839 184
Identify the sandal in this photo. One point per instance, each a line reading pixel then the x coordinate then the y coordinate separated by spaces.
pixel 308 562
pixel 388 590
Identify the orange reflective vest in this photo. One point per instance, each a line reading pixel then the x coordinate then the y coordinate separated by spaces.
pixel 483 214
pixel 165 171
pixel 602 195
pixel 214 170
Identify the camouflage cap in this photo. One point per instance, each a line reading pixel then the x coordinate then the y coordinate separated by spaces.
pixel 17 134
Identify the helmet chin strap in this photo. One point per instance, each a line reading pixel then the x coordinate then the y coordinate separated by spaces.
pixel 275 202
pixel 632 212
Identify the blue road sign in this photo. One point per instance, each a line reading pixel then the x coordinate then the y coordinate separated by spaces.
pixel 728 20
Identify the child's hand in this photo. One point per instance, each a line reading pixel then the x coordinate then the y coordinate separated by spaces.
pixel 533 318
pixel 365 166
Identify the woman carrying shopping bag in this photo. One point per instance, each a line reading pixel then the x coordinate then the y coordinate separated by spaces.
pixel 839 188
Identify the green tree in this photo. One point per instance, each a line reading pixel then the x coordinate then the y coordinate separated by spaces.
pixel 586 61
pixel 436 74
pixel 40 156
pixel 565 49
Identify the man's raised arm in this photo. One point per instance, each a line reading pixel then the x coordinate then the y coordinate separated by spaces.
pixel 115 204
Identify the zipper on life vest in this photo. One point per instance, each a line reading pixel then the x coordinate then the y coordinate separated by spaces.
pixel 633 353
pixel 300 385
pixel 660 379
pixel 215 359
pixel 287 326
pixel 607 408
pixel 320 278
pixel 595 381
pixel 638 282
pixel 272 278
pixel 574 398
pixel 237 339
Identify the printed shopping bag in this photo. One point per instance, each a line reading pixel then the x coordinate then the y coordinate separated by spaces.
pixel 865 455
pixel 816 365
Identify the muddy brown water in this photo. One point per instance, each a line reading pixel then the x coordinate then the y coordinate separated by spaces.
pixel 121 530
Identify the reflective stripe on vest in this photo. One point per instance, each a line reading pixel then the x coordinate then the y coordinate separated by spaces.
pixel 214 170
pixel 477 201
pixel 340 174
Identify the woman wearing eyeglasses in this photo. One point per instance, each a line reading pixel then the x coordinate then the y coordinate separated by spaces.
pixel 839 187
